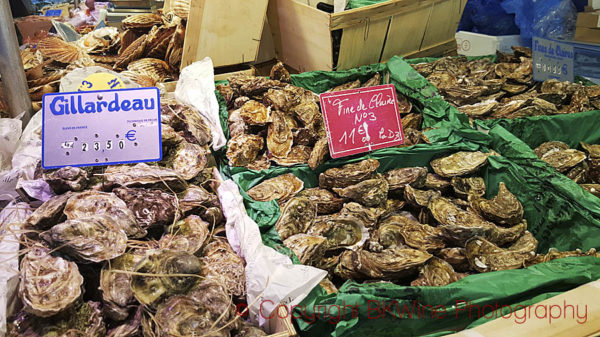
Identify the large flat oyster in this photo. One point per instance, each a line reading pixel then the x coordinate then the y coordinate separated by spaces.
pixel 390 264
pixel 243 149
pixel 367 215
pixel 282 188
pixel 396 230
pixel 143 175
pixel 188 159
pixel 223 264
pixel 299 154
pixel 319 152
pixel 463 187
pixel 187 235
pixel 325 201
pixel 255 113
pixel 436 272
pixel 485 256
pixel 280 136
pixel 459 163
pixel 308 248
pixel 370 192
pixel 348 174
pixel 49 213
pixel 67 179
pixel 341 231
pixel 296 216
pixel 152 208
pixel 549 147
pixel 400 178
pixel 504 208
pixel 564 159
pixel 115 283
pixel 419 198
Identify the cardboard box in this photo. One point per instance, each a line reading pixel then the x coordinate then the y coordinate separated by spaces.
pixel 474 44
pixel 589 35
pixel 589 20
pixel 33 27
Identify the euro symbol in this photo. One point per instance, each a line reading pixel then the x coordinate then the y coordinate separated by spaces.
pixel 130 135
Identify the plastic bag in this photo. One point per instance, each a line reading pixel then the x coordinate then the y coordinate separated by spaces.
pixel 544 18
pixel 487 17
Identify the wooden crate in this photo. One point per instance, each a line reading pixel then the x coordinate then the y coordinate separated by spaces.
pixel 229 31
pixel 371 34
pixel 281 325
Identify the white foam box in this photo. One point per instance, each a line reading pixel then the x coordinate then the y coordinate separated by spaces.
pixel 474 44
pixel 595 4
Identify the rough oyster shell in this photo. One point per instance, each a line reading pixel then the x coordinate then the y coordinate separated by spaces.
pixel 189 122
pixel 260 163
pixel 250 86
pixel 278 72
pixel 143 175
pixel 341 231
pixel 592 188
pixel 396 230
pixel 296 216
pixel 280 99
pixel 373 81
pixel 436 272
pixel 459 164
pixel 308 248
pixel 346 86
pixel 223 264
pixel 116 285
pixel 133 52
pixel 279 137
pixel 435 182
pixel 150 207
pixel 195 198
pixel 255 113
pixel 390 264
pixel 456 257
pixel 485 256
pixel 592 149
pixel 298 155
pixel 318 154
pixel 90 203
pixel 37 93
pixel 66 179
pixel 58 50
pixel 398 179
pixel 548 147
pixel 307 111
pixel 49 213
pixel 480 109
pixel 43 274
pixel 282 188
pixel 564 159
pixel 188 159
pixel 243 149
pixel 419 198
pixel 325 201
pixel 187 235
pixel 504 208
pixel 140 21
pixel 370 192
pixel 412 121
pixel 348 174
pixel 89 239
pixel 129 328
pixel 463 187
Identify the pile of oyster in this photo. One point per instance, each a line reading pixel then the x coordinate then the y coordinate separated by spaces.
pixel 273 121
pixel 407 225
pixel 579 166
pixel 482 89
pixel 134 249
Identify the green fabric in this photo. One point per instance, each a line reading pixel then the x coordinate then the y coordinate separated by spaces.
pixel 362 3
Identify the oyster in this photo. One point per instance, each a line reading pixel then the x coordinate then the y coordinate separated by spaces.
pixel 419 198
pixel 187 235
pixel 222 264
pixel 278 72
pixel 49 213
pixel 58 50
pixel 190 123
pixel 592 150
pixel 340 231
pixel 370 192
pixel 396 230
pixel 143 175
pixel 154 279
pixel 504 208
pixel 346 86
pixel 115 283
pixel 367 215
pixel 255 113
pixel 463 187
pixel 373 81
pixel 129 328
pixel 435 182
pixel 319 152
pixel 250 86
pixel 66 179
pixel 456 257
pixel 348 174
pixel 436 272
pixel 592 188
pixel 308 248
pixel 480 109
pixel 564 159
pixel 282 188
pixel 459 164
pixel 389 264
pixel 550 147
pixel 280 99
pixel 188 159
pixel 91 203
pixel 307 111
pixel 243 149
pixel 325 201
pixel 280 137
pixel 398 179
pixel 195 198
pixel 485 256
pixel 89 239
pixel 150 207
pixel 296 216
pixel 298 155
pixel 141 21
pixel 262 162
pixel 43 274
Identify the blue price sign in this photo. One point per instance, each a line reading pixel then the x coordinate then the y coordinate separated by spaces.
pixel 101 127
pixel 552 59
pixel 53 12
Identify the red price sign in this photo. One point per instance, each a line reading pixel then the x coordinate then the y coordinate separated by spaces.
pixel 361 120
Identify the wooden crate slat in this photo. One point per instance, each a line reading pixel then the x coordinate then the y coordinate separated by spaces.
pixel 406 31
pixel 445 16
pixel 361 44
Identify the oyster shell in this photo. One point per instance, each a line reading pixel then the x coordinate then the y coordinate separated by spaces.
pixel 463 187
pixel 187 235
pixel 282 188
pixel 298 155
pixel 398 179
pixel 195 198
pixel 436 272
pixel 90 203
pixel 296 216
pixel 43 274
pixel 222 264
pixel 188 159
pixel 549 147
pixel 456 257
pixel 346 86
pixel 373 81
pixel 116 285
pixel 480 109
pixel 280 99
pixel 459 163
pixel 348 174
pixel 143 175
pixel 49 213
pixel 251 86
pixel 389 264
pixel 58 50
pixel 308 248
pixel 278 72
pixel 592 149
pixel 262 162
pixel 141 21
pixel 419 198
pixel 396 230
pixel 318 154
pixel 592 188
pixel 485 256
pixel 370 192
pixel 341 231
pixel 564 159
pixel 435 182
pixel 280 137
pixel 504 208
pixel 89 239
pixel 129 328
pixel 367 215
pixel 325 201
pixel 255 113
pixel 243 149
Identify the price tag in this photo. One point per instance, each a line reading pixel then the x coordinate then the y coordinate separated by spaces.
pixel 552 59
pixel 101 127
pixel 361 120
pixel 53 12
pixel 101 81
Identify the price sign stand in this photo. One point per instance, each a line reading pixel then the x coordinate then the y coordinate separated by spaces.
pixel 101 127
pixel 361 120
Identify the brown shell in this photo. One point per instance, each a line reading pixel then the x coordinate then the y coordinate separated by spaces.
pixel 397 229
pixel 348 174
pixel 402 177
pixel 390 264
pixel 504 208
pixel 592 188
pixel 459 163
pixel 326 201
pixel 308 248
pixel 319 153
pixel 143 79
pixel 158 41
pixel 262 162
pixel 37 93
pixel 222 263
pixel 296 216
pixel 412 121
pixel 463 187
pixel 159 70
pixel 548 147
pixel 437 273
pixel 419 198
pixel 369 192
pixel 373 81
pixel 282 188
pixel 175 48
pixel 404 105
pixel 298 155
pixel 107 59
pixel 478 110
pixel 133 52
pixel 341 231
pixel 485 256
pixel 255 113
pixel 151 207
pixel 126 38
pixel 49 213
pixel 181 8
pixel 51 76
pixel 58 50
pixel 140 21
pixel 593 150
pixel 456 257
pixel 367 215
pixel 278 72
pixel 279 137
pixel 243 149
pixel 564 159
pixel 435 182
